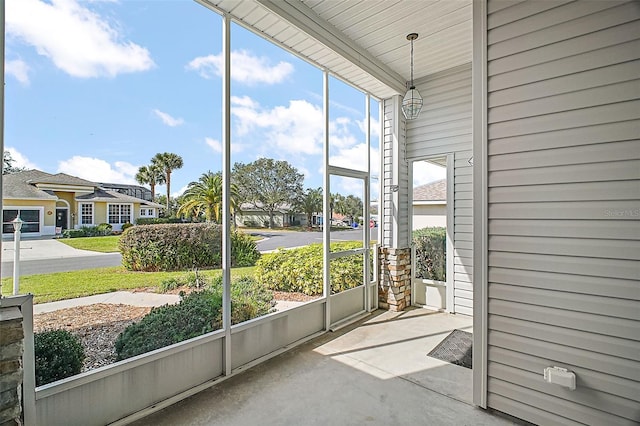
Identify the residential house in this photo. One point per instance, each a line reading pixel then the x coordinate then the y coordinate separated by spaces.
pixel 430 205
pixel 253 216
pixel 49 203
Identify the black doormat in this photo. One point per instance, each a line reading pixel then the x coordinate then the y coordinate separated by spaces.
pixel 455 348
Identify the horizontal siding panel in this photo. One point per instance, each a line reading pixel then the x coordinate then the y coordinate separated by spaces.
pixel 618 92
pixel 465 261
pixel 464 240
pixel 439 146
pixel 460 178
pixel 463 220
pixel 585 321
pixel 458 252
pixel 585 378
pixel 610 287
pixel 605 268
pixel 465 195
pixel 588 191
pixel 592 59
pixel 518 42
pixel 504 12
pixel 566 354
pixel 463 211
pixel 464 285
pixel 599 77
pixel 607 345
pixel 463 302
pixel 583 247
pixel 597 153
pixel 522 385
pixel 461 278
pixel 619 308
pixel 463 269
pixel 462 293
pixel 622 111
pixel 613 210
pixel 606 229
pixel 577 137
pixel 463 310
pixel 531 413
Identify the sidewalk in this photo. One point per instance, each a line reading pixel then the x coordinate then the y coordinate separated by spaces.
pixel 37 249
pixel 116 298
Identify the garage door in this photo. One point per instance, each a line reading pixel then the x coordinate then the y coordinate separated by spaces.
pixel 30 217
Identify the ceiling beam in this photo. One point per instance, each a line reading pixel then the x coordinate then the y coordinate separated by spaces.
pixel 305 19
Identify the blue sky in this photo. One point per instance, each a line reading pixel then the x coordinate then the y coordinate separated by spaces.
pixel 96 88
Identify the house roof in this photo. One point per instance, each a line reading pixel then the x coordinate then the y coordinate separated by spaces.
pixel 434 191
pixel 22 185
pixel 247 207
pixel 115 197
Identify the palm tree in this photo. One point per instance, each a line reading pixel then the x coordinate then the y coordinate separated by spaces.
pixel 310 202
pixel 152 176
pixel 204 198
pixel 167 162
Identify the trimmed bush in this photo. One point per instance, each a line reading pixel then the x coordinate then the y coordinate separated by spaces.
pixel 171 247
pixel 174 247
pixel 59 354
pixel 196 314
pixel 88 231
pixel 300 269
pixel 431 249
pixel 126 226
pixel 158 220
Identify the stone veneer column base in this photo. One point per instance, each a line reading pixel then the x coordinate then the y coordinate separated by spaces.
pixel 395 278
pixel 11 343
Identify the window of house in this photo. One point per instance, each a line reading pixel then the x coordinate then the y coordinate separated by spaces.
pixel 119 213
pixel 86 214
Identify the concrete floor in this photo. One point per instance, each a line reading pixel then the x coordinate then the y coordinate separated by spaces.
pixel 375 373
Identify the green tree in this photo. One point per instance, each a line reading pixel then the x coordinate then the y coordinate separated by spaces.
pixel 268 184
pixel 7 166
pixel 204 198
pixel 167 162
pixel 349 206
pixel 152 176
pixel 310 202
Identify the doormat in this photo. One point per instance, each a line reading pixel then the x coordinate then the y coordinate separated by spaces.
pixel 455 348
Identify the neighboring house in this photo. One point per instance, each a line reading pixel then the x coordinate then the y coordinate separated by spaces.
pixel 253 216
pixel 49 203
pixel 430 204
pixel 136 191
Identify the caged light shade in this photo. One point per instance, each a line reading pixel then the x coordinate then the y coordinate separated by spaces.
pixel 412 101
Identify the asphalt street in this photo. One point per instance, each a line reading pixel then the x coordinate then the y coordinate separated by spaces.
pixel 50 256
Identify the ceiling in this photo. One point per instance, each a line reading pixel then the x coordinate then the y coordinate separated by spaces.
pixel 363 42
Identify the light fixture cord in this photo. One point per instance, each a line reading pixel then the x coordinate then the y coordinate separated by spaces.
pixel 411 62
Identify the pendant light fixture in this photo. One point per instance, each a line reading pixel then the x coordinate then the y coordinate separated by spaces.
pixel 412 101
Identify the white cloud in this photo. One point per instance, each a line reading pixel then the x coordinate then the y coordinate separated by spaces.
pixel 424 172
pixel 77 40
pixel 294 129
pixel 97 170
pixel 375 128
pixel 214 144
pixel 19 160
pixel 245 68
pixel 179 192
pixel 167 119
pixel 18 69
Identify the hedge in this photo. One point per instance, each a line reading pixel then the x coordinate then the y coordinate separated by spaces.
pixel 158 220
pixel 58 355
pixel 88 231
pixel 173 247
pixel 300 269
pixel 431 249
pixel 196 314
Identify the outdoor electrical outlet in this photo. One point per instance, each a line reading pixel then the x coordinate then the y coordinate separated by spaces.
pixel 560 376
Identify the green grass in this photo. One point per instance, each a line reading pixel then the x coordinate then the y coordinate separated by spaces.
pixel 68 285
pixel 108 244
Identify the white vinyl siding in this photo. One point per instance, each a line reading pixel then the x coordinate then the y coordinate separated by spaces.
pixel 395 212
pixel 564 209
pixel 443 127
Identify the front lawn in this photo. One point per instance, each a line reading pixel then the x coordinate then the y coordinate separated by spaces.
pixel 69 285
pixel 108 244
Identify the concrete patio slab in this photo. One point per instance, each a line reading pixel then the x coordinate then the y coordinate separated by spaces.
pixel 375 373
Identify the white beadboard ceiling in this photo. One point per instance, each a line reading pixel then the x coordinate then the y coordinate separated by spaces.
pixel 363 42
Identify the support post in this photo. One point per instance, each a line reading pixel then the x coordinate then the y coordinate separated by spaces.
pixel 326 210
pixel 16 262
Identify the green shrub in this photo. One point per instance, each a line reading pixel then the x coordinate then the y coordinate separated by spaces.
pixel 174 247
pixel 244 251
pixel 431 259
pixel 171 247
pixel 126 226
pixel 58 355
pixel 157 220
pixel 300 269
pixel 197 313
pixel 191 280
pixel 88 231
